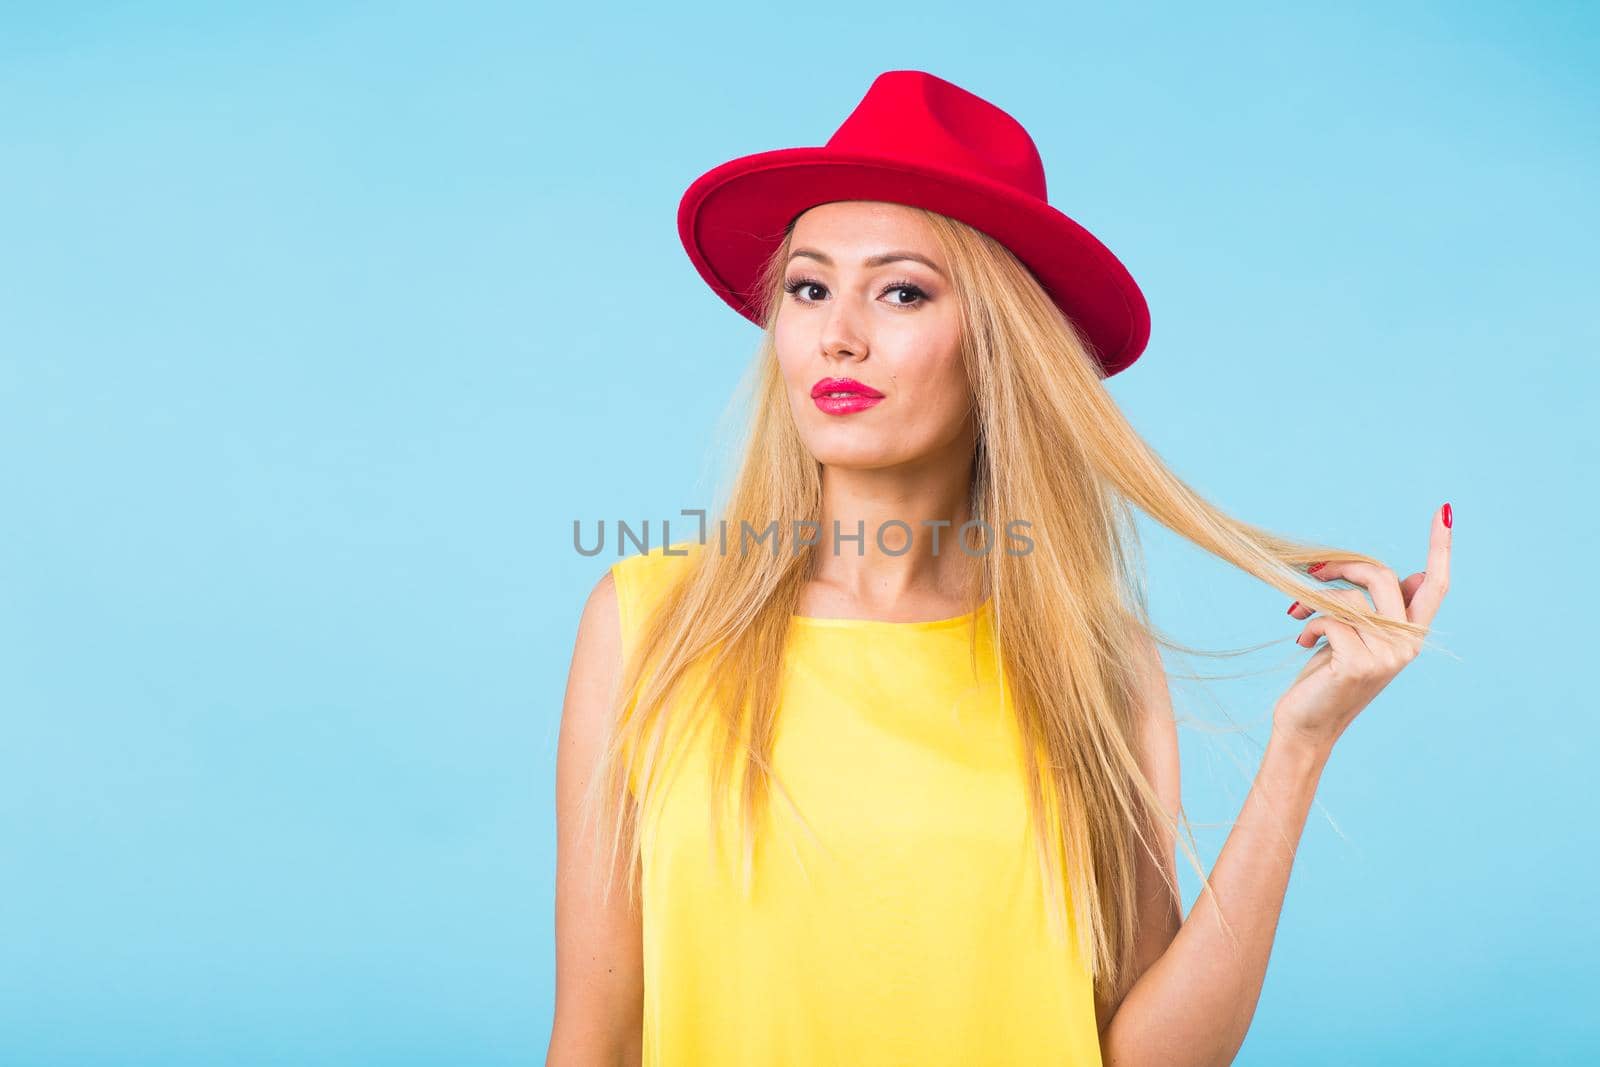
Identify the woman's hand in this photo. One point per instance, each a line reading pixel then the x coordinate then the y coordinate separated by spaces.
pixel 1345 674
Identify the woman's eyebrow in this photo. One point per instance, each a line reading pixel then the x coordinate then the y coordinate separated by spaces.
pixel 872 261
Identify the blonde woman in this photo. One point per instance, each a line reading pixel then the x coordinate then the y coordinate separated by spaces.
pixel 880 767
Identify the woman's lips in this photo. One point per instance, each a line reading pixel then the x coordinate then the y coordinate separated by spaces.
pixel 843 396
pixel 845 405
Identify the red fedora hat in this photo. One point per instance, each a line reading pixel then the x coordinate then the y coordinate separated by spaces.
pixel 916 139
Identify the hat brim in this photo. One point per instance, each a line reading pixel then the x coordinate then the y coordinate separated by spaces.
pixel 733 217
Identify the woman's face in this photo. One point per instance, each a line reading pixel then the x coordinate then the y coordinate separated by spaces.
pixel 853 308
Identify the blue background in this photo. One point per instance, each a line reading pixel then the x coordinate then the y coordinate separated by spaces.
pixel 323 322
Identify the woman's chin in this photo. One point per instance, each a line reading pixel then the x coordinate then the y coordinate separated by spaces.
pixel 865 456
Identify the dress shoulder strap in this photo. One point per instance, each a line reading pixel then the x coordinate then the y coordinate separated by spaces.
pixel 642 579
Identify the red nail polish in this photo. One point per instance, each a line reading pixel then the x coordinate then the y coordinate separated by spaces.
pixel 1293 606
pixel 1449 516
pixel 1315 567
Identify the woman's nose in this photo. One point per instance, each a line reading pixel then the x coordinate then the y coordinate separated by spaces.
pixel 842 337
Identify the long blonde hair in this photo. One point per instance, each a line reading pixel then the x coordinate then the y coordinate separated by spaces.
pixel 1052 449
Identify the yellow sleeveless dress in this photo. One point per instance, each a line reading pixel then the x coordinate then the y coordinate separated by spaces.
pixel 913 930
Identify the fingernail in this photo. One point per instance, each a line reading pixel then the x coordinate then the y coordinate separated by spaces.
pixel 1293 606
pixel 1315 567
pixel 1449 516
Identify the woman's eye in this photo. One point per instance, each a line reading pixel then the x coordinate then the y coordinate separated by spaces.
pixel 803 289
pixel 799 286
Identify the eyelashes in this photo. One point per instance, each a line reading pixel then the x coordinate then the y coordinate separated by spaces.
pixel 794 286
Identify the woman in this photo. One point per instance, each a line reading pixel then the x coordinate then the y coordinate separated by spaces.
pixel 946 677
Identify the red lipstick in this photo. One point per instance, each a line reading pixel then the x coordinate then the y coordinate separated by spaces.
pixel 842 396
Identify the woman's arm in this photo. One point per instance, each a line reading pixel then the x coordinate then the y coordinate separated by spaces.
pixel 1193 1007
pixel 599 951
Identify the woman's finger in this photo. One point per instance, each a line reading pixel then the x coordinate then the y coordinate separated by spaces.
pixel 1380 582
pixel 1301 610
pixel 1341 636
pixel 1425 604
pixel 1408 589
pixel 1350 596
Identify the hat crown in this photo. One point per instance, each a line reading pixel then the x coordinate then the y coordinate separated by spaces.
pixel 924 120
